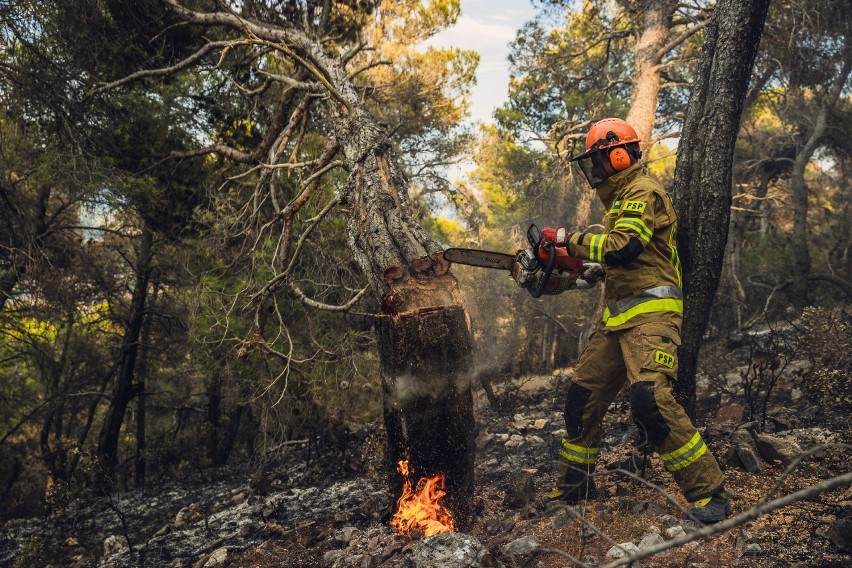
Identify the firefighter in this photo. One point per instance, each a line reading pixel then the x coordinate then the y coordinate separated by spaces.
pixel 636 341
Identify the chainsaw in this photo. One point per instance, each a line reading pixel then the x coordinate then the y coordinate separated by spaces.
pixel 533 268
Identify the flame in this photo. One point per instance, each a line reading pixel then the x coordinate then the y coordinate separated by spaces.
pixel 421 510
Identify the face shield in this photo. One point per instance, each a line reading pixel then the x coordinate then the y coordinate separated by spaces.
pixel 591 163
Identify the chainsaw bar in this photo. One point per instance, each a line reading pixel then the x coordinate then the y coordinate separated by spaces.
pixel 483 258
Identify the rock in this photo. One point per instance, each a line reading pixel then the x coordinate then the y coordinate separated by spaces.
pixel 114 544
pixel 71 542
pixel 484 439
pixel 777 448
pixel 729 414
pixel 752 549
pixel 674 532
pixel 540 424
pixel 332 556
pixel 560 519
pixel 795 393
pixel 744 457
pixel 450 550
pixel 533 439
pixel 668 521
pixel 653 529
pixel 622 550
pixel 521 550
pixel 590 560
pixel 187 515
pixel 586 532
pixel 741 436
pixel 218 558
pixel 689 526
pixel 651 539
pixel 519 491
pixel 163 531
pixel 840 534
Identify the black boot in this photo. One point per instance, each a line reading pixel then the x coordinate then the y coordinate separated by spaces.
pixel 711 509
pixel 575 485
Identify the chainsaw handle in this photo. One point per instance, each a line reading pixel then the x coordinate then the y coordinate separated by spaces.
pixel 551 261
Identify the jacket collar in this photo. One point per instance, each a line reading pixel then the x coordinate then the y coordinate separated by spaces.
pixel 615 184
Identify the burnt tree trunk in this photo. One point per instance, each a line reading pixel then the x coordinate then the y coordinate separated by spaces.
pixel 423 332
pixel 703 176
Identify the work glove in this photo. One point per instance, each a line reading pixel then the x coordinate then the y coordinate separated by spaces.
pixel 556 235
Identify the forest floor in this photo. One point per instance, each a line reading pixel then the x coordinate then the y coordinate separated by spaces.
pixel 305 511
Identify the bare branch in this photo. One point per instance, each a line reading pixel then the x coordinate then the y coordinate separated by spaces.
pixel 753 513
pixel 183 64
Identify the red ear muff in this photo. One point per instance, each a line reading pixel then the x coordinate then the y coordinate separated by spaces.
pixel 619 159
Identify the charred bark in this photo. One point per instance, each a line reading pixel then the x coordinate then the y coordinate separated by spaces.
pixel 703 176
pixel 428 401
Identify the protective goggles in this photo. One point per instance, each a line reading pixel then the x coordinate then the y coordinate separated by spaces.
pixel 591 163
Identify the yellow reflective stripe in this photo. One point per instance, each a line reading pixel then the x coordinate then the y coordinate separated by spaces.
pixel 616 207
pixel 686 454
pixel 675 257
pixel 645 233
pixel 578 454
pixel 596 248
pixel 651 306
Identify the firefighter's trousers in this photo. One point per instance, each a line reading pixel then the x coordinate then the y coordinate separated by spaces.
pixel 645 356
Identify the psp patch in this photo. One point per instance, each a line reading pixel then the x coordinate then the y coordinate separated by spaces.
pixel 665 359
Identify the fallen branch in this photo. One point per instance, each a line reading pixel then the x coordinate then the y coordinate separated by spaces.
pixel 751 514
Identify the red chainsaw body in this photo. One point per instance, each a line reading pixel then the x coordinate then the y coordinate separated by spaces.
pixel 564 261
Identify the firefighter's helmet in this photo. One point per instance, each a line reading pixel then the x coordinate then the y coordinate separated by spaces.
pixel 607 140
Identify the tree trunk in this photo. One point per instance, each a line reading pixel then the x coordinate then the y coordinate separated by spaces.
pixel 124 390
pixel 144 349
pixel 703 176
pixel 405 270
pixel 799 189
pixel 646 71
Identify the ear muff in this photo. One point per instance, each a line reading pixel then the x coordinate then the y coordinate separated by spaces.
pixel 619 158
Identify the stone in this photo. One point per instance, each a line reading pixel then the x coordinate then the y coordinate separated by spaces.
pixel 590 560
pixel 689 526
pixel 484 439
pixel 218 558
pixel 622 550
pixel 674 532
pixel 752 549
pixel 560 519
pixel 741 436
pixel 840 534
pixel 729 414
pixel 748 458
pixel 71 542
pixel 519 491
pixel 540 424
pixel 651 539
pixel 114 544
pixel 668 521
pixel 450 550
pixel 777 448
pixel 521 549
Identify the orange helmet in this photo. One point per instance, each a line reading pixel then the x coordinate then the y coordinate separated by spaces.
pixel 608 134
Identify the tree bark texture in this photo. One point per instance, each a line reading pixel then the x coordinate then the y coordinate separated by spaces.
pixel 646 77
pixel 428 403
pixel 423 332
pixel 703 176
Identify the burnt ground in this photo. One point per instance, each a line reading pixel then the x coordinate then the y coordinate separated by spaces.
pixel 305 511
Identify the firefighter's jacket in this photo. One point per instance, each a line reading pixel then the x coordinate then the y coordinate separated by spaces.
pixel 638 250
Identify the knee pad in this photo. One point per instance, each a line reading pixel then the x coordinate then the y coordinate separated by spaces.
pixel 575 406
pixel 647 414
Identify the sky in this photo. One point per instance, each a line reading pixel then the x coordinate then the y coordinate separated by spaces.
pixel 487 27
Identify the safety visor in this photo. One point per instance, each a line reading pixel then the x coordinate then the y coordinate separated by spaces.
pixel 591 163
